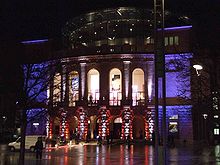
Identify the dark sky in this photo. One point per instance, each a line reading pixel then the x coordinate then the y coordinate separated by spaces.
pixel 37 19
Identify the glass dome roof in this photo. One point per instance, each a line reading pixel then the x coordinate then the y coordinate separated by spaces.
pixel 116 26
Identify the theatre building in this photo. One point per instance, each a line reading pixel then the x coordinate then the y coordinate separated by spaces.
pixel 105 85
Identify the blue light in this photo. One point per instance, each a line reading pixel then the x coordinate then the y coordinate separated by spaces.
pixel 178 27
pixel 34 41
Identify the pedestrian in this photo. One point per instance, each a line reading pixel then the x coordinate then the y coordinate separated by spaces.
pixel 128 140
pixel 111 136
pixel 39 147
pixel 99 140
pixel 153 138
pixel 77 138
pixel 141 134
pixel 107 138
pixel 171 142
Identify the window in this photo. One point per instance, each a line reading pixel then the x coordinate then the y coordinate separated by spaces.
pixel 171 40
pixel 57 88
pixel 166 41
pixel 216 131
pixel 115 79
pixel 137 87
pixel 73 88
pixel 93 85
pixel 176 40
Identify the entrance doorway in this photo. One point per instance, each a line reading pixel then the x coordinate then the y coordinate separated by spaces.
pixel 117 128
pixel 138 127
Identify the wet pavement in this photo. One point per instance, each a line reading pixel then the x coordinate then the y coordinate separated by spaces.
pixel 117 154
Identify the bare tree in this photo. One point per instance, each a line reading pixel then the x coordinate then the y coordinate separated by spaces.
pixel 36 81
pixel 190 86
pixel 178 66
pixel 198 88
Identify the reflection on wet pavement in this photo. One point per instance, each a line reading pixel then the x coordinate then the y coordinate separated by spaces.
pixel 117 155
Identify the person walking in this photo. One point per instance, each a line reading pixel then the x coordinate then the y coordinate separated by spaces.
pixel 39 147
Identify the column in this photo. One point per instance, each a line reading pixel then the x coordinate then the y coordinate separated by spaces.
pixel 127 89
pixel 82 80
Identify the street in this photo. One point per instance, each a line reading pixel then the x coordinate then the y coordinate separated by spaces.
pixel 116 154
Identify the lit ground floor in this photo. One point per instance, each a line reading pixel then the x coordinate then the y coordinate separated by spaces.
pixel 108 123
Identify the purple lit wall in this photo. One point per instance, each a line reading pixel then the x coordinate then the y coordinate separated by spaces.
pixel 36 77
pixel 179 118
pixel 183 116
pixel 36 90
pixel 36 119
pixel 178 75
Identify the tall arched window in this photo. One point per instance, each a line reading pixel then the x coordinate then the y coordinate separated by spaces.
pixel 57 88
pixel 93 85
pixel 137 87
pixel 73 88
pixel 115 82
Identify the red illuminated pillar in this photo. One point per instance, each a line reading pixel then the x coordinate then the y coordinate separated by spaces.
pixel 49 128
pixel 64 127
pixel 127 118
pixel 104 117
pixel 149 125
pixel 83 123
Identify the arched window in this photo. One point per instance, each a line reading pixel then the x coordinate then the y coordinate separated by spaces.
pixel 73 88
pixel 93 85
pixel 115 82
pixel 138 87
pixel 57 88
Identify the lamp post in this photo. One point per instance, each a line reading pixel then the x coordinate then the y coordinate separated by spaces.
pixel 160 76
pixel 4 118
pixel 198 69
pixel 205 116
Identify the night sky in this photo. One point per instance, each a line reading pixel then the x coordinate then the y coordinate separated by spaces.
pixel 37 19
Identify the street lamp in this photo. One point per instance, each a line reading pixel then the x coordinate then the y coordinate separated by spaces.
pixel 198 68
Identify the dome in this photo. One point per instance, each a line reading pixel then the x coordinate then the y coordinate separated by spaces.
pixel 114 27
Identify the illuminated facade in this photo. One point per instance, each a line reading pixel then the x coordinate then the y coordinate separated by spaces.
pixel 106 83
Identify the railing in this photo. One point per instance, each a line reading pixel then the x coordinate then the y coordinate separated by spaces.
pixel 93 98
pixel 138 99
pixel 115 98
pixel 73 99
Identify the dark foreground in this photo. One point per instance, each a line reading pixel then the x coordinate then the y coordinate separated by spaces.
pixel 117 154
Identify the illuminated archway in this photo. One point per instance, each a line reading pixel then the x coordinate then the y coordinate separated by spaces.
pixel 92 126
pixel 137 87
pixel 115 88
pixel 117 128
pixel 138 127
pixel 73 126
